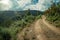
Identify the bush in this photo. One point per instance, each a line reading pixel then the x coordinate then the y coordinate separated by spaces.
pixel 53 14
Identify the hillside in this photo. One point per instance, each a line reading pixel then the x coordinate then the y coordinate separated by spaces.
pixel 11 22
pixel 31 24
pixel 45 28
pixel 39 30
pixel 53 14
pixel 16 15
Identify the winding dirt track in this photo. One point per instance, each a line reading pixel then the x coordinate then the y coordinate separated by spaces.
pixel 56 30
pixel 40 30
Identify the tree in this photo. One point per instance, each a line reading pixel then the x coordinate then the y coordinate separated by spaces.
pixel 53 14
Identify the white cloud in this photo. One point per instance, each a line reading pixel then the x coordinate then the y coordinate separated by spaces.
pixel 22 3
pixel 39 6
pixel 33 7
pixel 5 4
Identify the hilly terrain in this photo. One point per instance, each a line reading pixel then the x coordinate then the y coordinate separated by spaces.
pixel 16 15
pixel 11 22
pixel 31 24
pixel 40 30
pixel 53 14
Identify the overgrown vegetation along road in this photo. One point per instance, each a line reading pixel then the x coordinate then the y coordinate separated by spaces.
pixel 40 30
pixel 53 28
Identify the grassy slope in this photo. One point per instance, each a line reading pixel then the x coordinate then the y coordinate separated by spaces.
pixel 53 15
pixel 9 30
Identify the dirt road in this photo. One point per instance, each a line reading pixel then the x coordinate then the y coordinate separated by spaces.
pixel 40 30
pixel 53 28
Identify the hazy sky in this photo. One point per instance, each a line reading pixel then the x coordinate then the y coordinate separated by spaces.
pixel 17 5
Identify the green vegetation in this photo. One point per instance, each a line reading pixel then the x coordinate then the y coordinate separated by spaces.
pixel 53 14
pixel 13 22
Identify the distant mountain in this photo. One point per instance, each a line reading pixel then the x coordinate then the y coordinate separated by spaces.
pixel 6 16
pixel 13 13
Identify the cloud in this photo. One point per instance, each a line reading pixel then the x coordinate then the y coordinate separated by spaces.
pixel 34 1
pixel 5 5
pixel 22 3
pixel 41 5
pixel 16 5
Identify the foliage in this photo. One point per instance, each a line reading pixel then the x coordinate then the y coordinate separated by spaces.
pixel 53 14
pixel 10 25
